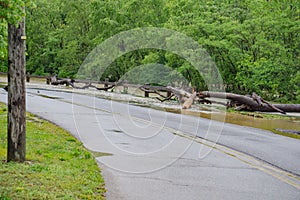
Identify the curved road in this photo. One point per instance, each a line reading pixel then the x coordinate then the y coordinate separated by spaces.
pixel 150 154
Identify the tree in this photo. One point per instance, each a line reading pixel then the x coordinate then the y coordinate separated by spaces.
pixel 16 132
pixel 255 44
pixel 13 13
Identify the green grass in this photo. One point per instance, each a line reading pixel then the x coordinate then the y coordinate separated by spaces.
pixel 57 166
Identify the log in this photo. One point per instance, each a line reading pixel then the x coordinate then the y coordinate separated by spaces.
pixel 103 88
pixel 260 101
pixel 240 102
pixel 55 81
pixel 273 107
pixel 181 94
pixel 61 82
pixel 257 98
pixel 251 104
pixel 188 103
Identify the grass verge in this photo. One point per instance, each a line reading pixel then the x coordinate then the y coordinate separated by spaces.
pixel 57 166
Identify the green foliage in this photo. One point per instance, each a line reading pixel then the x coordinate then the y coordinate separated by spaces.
pixel 3 46
pixel 296 81
pixel 255 44
pixel 10 12
pixel 13 11
pixel 57 167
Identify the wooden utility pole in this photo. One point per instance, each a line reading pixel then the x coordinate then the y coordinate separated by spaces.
pixel 16 131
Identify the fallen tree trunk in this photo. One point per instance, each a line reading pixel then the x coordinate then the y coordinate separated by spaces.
pixel 240 102
pixel 181 94
pixel 55 81
pixel 188 103
pixel 184 97
pixel 187 98
pixel 251 104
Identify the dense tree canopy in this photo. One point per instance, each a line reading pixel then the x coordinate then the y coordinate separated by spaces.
pixel 255 44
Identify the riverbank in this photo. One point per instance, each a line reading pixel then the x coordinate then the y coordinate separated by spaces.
pixel 57 166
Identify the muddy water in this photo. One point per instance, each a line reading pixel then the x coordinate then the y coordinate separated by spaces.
pixel 255 120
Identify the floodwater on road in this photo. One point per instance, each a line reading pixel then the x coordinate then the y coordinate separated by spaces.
pixel 251 119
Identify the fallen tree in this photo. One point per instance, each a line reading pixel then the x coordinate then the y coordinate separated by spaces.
pixel 186 97
pixel 53 80
pixel 240 102
pixel 250 103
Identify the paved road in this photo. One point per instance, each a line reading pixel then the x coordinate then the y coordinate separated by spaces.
pixel 152 154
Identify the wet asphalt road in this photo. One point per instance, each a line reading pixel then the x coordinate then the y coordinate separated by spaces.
pixel 152 154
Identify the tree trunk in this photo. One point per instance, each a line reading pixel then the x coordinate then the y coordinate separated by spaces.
pixel 240 102
pixel 252 104
pixel 188 103
pixel 16 130
pixel 181 94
